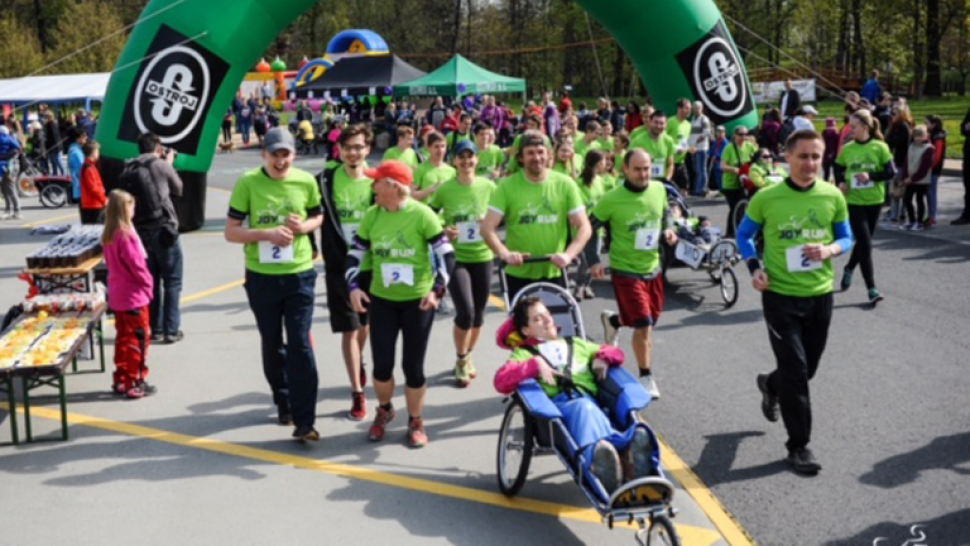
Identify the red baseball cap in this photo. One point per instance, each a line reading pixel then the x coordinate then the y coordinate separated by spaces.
pixel 395 170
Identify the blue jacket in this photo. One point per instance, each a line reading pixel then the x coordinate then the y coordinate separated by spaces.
pixel 75 160
pixel 871 91
pixel 7 145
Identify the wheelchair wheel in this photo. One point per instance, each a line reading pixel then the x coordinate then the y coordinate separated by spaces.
pixel 739 211
pixel 515 442
pixel 53 196
pixel 729 286
pixel 661 533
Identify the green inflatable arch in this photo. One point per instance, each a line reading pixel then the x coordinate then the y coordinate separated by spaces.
pixel 186 59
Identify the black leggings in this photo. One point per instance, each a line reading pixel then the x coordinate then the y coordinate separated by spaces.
pixel 863 220
pixel 388 319
pixel 920 191
pixel 733 198
pixel 470 286
pixel 227 131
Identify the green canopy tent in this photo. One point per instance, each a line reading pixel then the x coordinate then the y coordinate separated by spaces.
pixel 459 76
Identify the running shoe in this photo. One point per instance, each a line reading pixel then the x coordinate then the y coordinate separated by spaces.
pixel 588 292
pixel 16 216
pixel 918 227
pixel 383 417
pixel 135 393
pixel 650 385
pixel 804 462
pixel 639 453
pixel 907 227
pixel 417 437
pixel 610 330
pixel 606 466
pixel 358 409
pixel 443 307
pixel 118 388
pixel 875 297
pixel 472 372
pixel 306 433
pixel 462 376
pixel 769 402
pixel 846 279
pixel 157 337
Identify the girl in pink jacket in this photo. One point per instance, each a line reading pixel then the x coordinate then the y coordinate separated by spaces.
pixel 129 293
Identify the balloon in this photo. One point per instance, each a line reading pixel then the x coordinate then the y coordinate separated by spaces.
pixel 461 88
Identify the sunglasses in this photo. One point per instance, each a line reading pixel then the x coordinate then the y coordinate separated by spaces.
pixel 766 157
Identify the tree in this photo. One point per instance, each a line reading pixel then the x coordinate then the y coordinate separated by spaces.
pixel 21 56
pixel 81 26
pixel 934 80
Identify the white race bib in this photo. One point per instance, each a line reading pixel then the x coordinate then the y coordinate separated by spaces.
pixel 397 274
pixel 469 232
pixel 798 262
pixel 774 179
pixel 656 171
pixel 350 231
pixel 275 254
pixel 647 239
pixel 690 254
pixel 858 184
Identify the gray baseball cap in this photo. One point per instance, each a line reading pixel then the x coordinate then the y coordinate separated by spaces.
pixel 277 139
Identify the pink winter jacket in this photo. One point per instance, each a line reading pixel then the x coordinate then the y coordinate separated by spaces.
pixel 130 284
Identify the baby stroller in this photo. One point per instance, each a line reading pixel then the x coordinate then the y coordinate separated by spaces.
pixel 533 425
pixel 714 255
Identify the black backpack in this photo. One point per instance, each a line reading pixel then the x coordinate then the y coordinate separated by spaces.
pixel 136 179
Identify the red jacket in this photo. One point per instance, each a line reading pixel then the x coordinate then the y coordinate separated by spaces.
pixel 92 189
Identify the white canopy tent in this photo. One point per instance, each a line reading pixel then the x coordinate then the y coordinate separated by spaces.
pixel 64 88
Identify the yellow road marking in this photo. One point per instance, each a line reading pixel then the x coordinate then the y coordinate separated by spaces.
pixel 496 302
pixel 49 220
pixel 212 291
pixel 689 534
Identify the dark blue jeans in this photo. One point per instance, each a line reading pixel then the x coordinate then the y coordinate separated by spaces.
pixel 286 301
pixel 165 265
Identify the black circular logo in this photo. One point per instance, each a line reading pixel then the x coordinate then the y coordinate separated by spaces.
pixel 718 78
pixel 171 94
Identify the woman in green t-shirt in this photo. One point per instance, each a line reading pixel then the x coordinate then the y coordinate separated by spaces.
pixel 590 182
pixel 764 171
pixel 861 170
pixel 463 202
pixel 406 288
pixel 564 158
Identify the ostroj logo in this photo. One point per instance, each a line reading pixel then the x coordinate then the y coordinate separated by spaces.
pixel 173 92
pixel 716 76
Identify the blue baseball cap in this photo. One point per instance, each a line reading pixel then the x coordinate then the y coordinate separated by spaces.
pixel 464 146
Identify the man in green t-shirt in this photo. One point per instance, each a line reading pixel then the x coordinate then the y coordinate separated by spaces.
pixel 538 206
pixel 404 151
pixel 490 157
pixel 532 123
pixel 658 145
pixel 589 141
pixel 637 218
pixel 346 194
pixel 679 131
pixel 430 175
pixel 282 205
pixel 733 158
pixel 805 223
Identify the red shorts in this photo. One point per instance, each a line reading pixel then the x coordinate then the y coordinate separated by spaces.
pixel 640 301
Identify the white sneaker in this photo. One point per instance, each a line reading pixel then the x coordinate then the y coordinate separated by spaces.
pixel 4 215
pixel 16 216
pixel 609 331
pixel 650 385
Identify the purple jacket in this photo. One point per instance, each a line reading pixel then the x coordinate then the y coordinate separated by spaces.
pixel 494 116
pixel 130 284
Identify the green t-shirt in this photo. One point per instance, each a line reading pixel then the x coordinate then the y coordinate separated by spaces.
pixel 561 167
pixel 637 131
pixel 679 131
pixel 454 138
pixel 352 198
pixel 736 156
pixel 581 147
pixel 556 352
pixel 591 194
pixel 790 220
pixel 490 160
pixel 659 150
pixel 400 251
pixel 408 157
pixel 636 226
pixel 514 166
pixel 267 203
pixel 463 207
pixel 536 218
pixel 609 181
pixel 606 143
pixel 427 175
pixel 870 157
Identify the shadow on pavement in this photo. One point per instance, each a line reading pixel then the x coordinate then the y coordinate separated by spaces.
pixel 943 453
pixel 949 530
pixel 716 462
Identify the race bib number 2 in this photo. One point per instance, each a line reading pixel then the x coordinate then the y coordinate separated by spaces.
pixel 275 254
pixel 647 239
pixel 469 232
pixel 397 274
pixel 798 261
